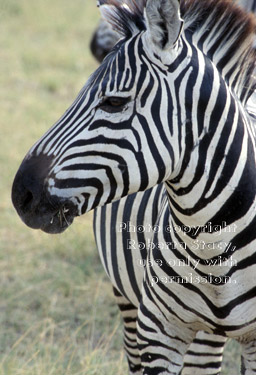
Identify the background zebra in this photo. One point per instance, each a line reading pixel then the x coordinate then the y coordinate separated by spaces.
pixel 103 40
pixel 28 206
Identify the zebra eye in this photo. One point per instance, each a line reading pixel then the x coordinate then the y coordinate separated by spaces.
pixel 113 104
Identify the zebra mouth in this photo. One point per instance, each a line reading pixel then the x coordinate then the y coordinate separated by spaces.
pixel 49 220
pixel 60 220
pixel 52 215
pixel 52 219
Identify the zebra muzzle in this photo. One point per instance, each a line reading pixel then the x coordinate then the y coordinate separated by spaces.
pixel 34 204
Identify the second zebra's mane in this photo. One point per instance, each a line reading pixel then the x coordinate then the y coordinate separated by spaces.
pixel 221 29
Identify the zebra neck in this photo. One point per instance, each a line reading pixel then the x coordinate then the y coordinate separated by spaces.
pixel 211 238
pixel 215 191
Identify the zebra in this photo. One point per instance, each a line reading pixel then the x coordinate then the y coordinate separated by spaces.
pixel 141 215
pixel 103 40
pixel 73 169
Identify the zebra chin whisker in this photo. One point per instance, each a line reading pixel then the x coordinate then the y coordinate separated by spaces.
pixel 61 216
pixel 62 212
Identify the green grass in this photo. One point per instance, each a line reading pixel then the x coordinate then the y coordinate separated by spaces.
pixel 57 314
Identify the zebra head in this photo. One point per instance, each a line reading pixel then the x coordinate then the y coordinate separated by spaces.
pixel 129 128
pixel 101 149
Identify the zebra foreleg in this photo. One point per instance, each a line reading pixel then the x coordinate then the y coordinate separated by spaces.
pixel 248 365
pixel 162 341
pixel 129 314
pixel 204 356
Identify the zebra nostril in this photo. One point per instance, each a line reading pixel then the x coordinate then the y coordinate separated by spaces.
pixel 24 198
pixel 27 200
pixel 28 184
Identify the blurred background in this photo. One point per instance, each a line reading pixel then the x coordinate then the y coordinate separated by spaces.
pixel 57 313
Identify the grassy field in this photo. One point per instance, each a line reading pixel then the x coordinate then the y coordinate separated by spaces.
pixel 57 314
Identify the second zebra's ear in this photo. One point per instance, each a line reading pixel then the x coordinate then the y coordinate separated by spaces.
pixel 163 22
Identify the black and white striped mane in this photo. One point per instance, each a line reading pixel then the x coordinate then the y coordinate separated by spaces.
pixel 221 29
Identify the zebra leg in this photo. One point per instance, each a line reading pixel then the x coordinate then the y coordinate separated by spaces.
pixel 129 313
pixel 248 364
pixel 162 341
pixel 204 356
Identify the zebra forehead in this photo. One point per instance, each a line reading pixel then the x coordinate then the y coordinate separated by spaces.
pixel 119 68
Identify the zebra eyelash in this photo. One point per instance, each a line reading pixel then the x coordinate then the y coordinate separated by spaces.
pixel 113 104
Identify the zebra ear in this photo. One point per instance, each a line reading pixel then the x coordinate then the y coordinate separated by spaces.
pixel 164 22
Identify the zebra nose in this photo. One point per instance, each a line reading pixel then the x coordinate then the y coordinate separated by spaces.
pixel 28 187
